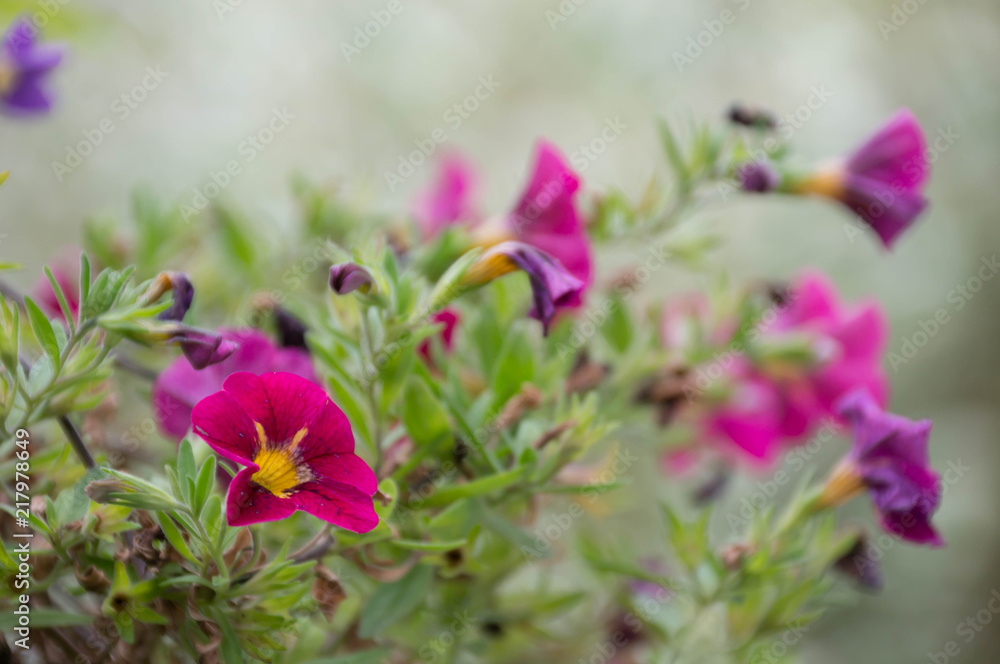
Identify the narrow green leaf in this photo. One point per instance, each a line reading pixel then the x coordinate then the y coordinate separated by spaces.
pixel 42 329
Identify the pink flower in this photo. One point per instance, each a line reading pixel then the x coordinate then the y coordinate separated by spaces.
pixel 181 386
pixel 545 216
pixel 450 200
pixel 298 449
pixel 883 181
pixel 780 384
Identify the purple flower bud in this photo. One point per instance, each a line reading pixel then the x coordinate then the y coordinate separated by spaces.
pixel 202 348
pixel 861 565
pixel 183 291
pixel 291 329
pixel 349 277
pixel 759 177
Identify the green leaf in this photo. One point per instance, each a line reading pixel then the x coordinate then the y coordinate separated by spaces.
pixel 428 547
pixel 43 618
pixel 394 601
pixel 477 487
pixel 515 366
pixel 42 329
pixel 377 656
pixel 174 536
pixel 425 418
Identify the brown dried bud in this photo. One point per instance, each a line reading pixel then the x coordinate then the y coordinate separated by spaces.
pixel 328 591
pixel 92 579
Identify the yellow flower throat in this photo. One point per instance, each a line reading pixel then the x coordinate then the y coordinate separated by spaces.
pixel 280 471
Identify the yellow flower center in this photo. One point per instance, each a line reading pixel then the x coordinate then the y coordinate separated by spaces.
pixel 280 471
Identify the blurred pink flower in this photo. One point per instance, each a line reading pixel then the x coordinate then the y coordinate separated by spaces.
pixel 180 386
pixel 782 385
pixel 545 216
pixel 882 181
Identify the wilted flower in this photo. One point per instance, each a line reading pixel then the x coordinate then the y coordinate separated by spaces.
pixel 882 181
pixel 551 285
pixel 24 67
pixel 349 277
pixel 183 294
pixel 180 386
pixel 544 217
pixel 889 460
pixel 298 449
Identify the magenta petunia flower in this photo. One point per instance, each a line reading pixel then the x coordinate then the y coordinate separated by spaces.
pixel 890 460
pixel 545 216
pixel 552 286
pixel 24 67
pixel 180 386
pixel 298 449
pixel 882 181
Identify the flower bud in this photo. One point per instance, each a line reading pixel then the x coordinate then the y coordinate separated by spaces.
pixel 183 292
pixel 349 277
pixel 759 177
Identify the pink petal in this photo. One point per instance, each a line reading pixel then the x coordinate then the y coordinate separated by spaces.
pixel 329 433
pixel 282 403
pixel 339 504
pixel 348 469
pixel 895 154
pixel 247 502
pixel 226 427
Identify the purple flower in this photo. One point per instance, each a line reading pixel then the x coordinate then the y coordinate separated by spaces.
pixel 180 386
pixel 24 66
pixel 883 181
pixel 552 286
pixel 890 460
pixel 348 277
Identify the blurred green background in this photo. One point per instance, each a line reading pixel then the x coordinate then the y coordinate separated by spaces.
pixel 562 70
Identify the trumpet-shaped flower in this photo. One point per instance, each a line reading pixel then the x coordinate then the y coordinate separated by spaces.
pixel 297 448
pixel 552 286
pixel 890 460
pixel 882 181
pixel 545 216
